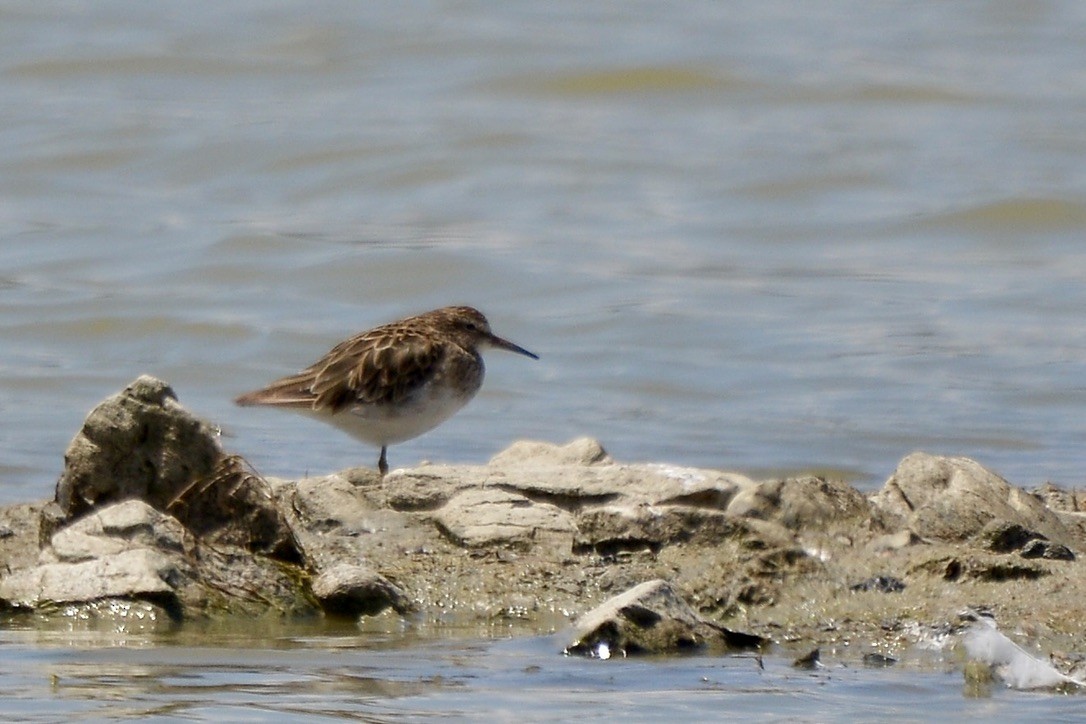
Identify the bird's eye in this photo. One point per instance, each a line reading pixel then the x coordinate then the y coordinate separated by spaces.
pixel 472 327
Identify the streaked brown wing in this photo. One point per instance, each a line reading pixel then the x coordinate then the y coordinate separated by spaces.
pixel 381 366
pixel 290 391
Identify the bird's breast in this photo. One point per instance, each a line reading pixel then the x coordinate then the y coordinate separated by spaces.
pixel 388 424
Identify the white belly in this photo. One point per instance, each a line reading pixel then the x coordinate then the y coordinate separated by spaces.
pixel 387 425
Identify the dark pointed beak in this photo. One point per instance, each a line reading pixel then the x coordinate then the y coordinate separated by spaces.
pixel 505 344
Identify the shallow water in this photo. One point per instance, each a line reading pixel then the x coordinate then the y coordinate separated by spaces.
pixel 323 673
pixel 755 236
pixel 740 239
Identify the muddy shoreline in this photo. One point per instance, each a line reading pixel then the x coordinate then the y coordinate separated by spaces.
pixel 152 516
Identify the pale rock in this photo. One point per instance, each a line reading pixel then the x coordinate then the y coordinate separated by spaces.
pixel 954 498
pixel 489 516
pixel 583 451
pixel 140 573
pixel 115 529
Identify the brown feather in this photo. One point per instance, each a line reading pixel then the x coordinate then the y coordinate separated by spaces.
pixel 382 366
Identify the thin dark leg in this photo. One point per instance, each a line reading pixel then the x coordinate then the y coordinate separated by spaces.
pixel 382 463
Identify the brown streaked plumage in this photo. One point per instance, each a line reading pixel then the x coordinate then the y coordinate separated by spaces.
pixel 394 382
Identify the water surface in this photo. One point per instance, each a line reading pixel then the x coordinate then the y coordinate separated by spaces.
pixel 332 674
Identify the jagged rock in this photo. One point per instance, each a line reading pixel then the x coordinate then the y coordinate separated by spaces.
pixel 354 590
pixel 140 443
pixel 130 551
pixel 236 507
pixel 649 618
pixel 127 551
pixel 105 536
pixel 952 499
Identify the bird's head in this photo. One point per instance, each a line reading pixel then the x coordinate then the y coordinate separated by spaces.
pixel 472 330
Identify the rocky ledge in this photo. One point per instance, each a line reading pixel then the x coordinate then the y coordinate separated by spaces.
pixel 152 516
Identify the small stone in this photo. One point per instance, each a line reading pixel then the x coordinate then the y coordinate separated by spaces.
pixel 878 661
pixel 1001 536
pixel 354 590
pixel 650 618
pixel 881 584
pixel 1057 552
pixel 810 661
pixel 1049 551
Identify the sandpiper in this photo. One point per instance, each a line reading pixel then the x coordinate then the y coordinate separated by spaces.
pixel 394 382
